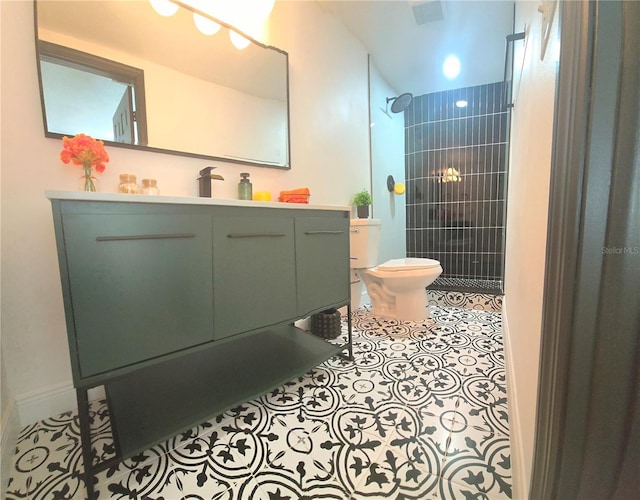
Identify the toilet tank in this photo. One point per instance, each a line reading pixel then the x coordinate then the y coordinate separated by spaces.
pixel 364 239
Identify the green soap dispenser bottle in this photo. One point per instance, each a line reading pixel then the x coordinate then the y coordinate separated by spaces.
pixel 245 190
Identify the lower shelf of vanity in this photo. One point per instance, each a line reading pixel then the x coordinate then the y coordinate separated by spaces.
pixel 155 403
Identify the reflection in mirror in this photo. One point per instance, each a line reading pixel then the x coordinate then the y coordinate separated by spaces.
pixel 195 95
pixel 105 97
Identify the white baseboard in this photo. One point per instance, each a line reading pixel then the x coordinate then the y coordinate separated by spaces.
pixel 50 401
pixel 10 430
pixel 518 476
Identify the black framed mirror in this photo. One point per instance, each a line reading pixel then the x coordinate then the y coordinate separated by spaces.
pixel 142 81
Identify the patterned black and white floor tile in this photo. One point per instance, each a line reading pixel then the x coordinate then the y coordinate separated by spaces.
pixel 420 414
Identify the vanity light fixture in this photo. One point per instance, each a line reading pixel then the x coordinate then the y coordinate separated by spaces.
pixel 245 16
pixel 238 41
pixel 164 7
pixel 205 26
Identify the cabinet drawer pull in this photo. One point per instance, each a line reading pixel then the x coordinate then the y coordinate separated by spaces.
pixel 256 235
pixel 145 237
pixel 323 232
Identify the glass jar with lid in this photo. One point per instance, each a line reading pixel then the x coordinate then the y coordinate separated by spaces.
pixel 128 184
pixel 149 186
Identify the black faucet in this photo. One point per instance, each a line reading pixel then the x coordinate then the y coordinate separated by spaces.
pixel 205 179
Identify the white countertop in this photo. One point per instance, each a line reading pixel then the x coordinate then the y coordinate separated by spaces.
pixel 183 200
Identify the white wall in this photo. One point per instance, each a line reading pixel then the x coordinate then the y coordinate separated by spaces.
pixel 387 158
pixel 528 192
pixel 226 122
pixel 329 152
pixel 8 415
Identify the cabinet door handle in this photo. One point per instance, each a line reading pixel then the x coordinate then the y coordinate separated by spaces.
pixel 256 235
pixel 146 237
pixel 323 232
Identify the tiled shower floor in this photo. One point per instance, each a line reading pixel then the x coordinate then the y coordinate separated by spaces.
pixel 420 414
pixel 468 285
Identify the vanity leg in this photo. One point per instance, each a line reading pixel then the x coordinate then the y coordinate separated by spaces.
pixel 85 438
pixel 349 332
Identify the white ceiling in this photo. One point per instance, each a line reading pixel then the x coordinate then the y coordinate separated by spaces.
pixel 410 56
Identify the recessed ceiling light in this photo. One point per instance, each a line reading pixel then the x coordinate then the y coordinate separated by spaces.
pixel 451 67
pixel 461 103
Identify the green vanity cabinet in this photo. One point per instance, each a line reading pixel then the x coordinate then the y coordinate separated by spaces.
pixel 322 262
pixel 140 286
pixel 183 308
pixel 255 272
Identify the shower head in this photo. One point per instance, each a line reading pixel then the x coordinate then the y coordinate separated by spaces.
pixel 400 103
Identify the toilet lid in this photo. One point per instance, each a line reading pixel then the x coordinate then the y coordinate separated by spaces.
pixel 408 264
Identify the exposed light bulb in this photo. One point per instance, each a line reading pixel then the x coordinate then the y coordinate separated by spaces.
pixel 238 41
pixel 262 8
pixel 451 67
pixel 164 7
pixel 205 26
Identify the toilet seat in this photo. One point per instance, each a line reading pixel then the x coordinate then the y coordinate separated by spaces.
pixel 408 264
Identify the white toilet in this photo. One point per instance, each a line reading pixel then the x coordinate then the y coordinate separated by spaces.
pixel 397 287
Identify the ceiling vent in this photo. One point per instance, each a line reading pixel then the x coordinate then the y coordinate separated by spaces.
pixel 427 12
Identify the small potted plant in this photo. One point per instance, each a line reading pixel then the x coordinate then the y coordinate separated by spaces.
pixel 362 200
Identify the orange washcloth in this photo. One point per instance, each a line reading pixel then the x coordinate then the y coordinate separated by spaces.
pixel 300 195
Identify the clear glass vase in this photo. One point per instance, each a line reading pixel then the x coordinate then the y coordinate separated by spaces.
pixel 88 180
